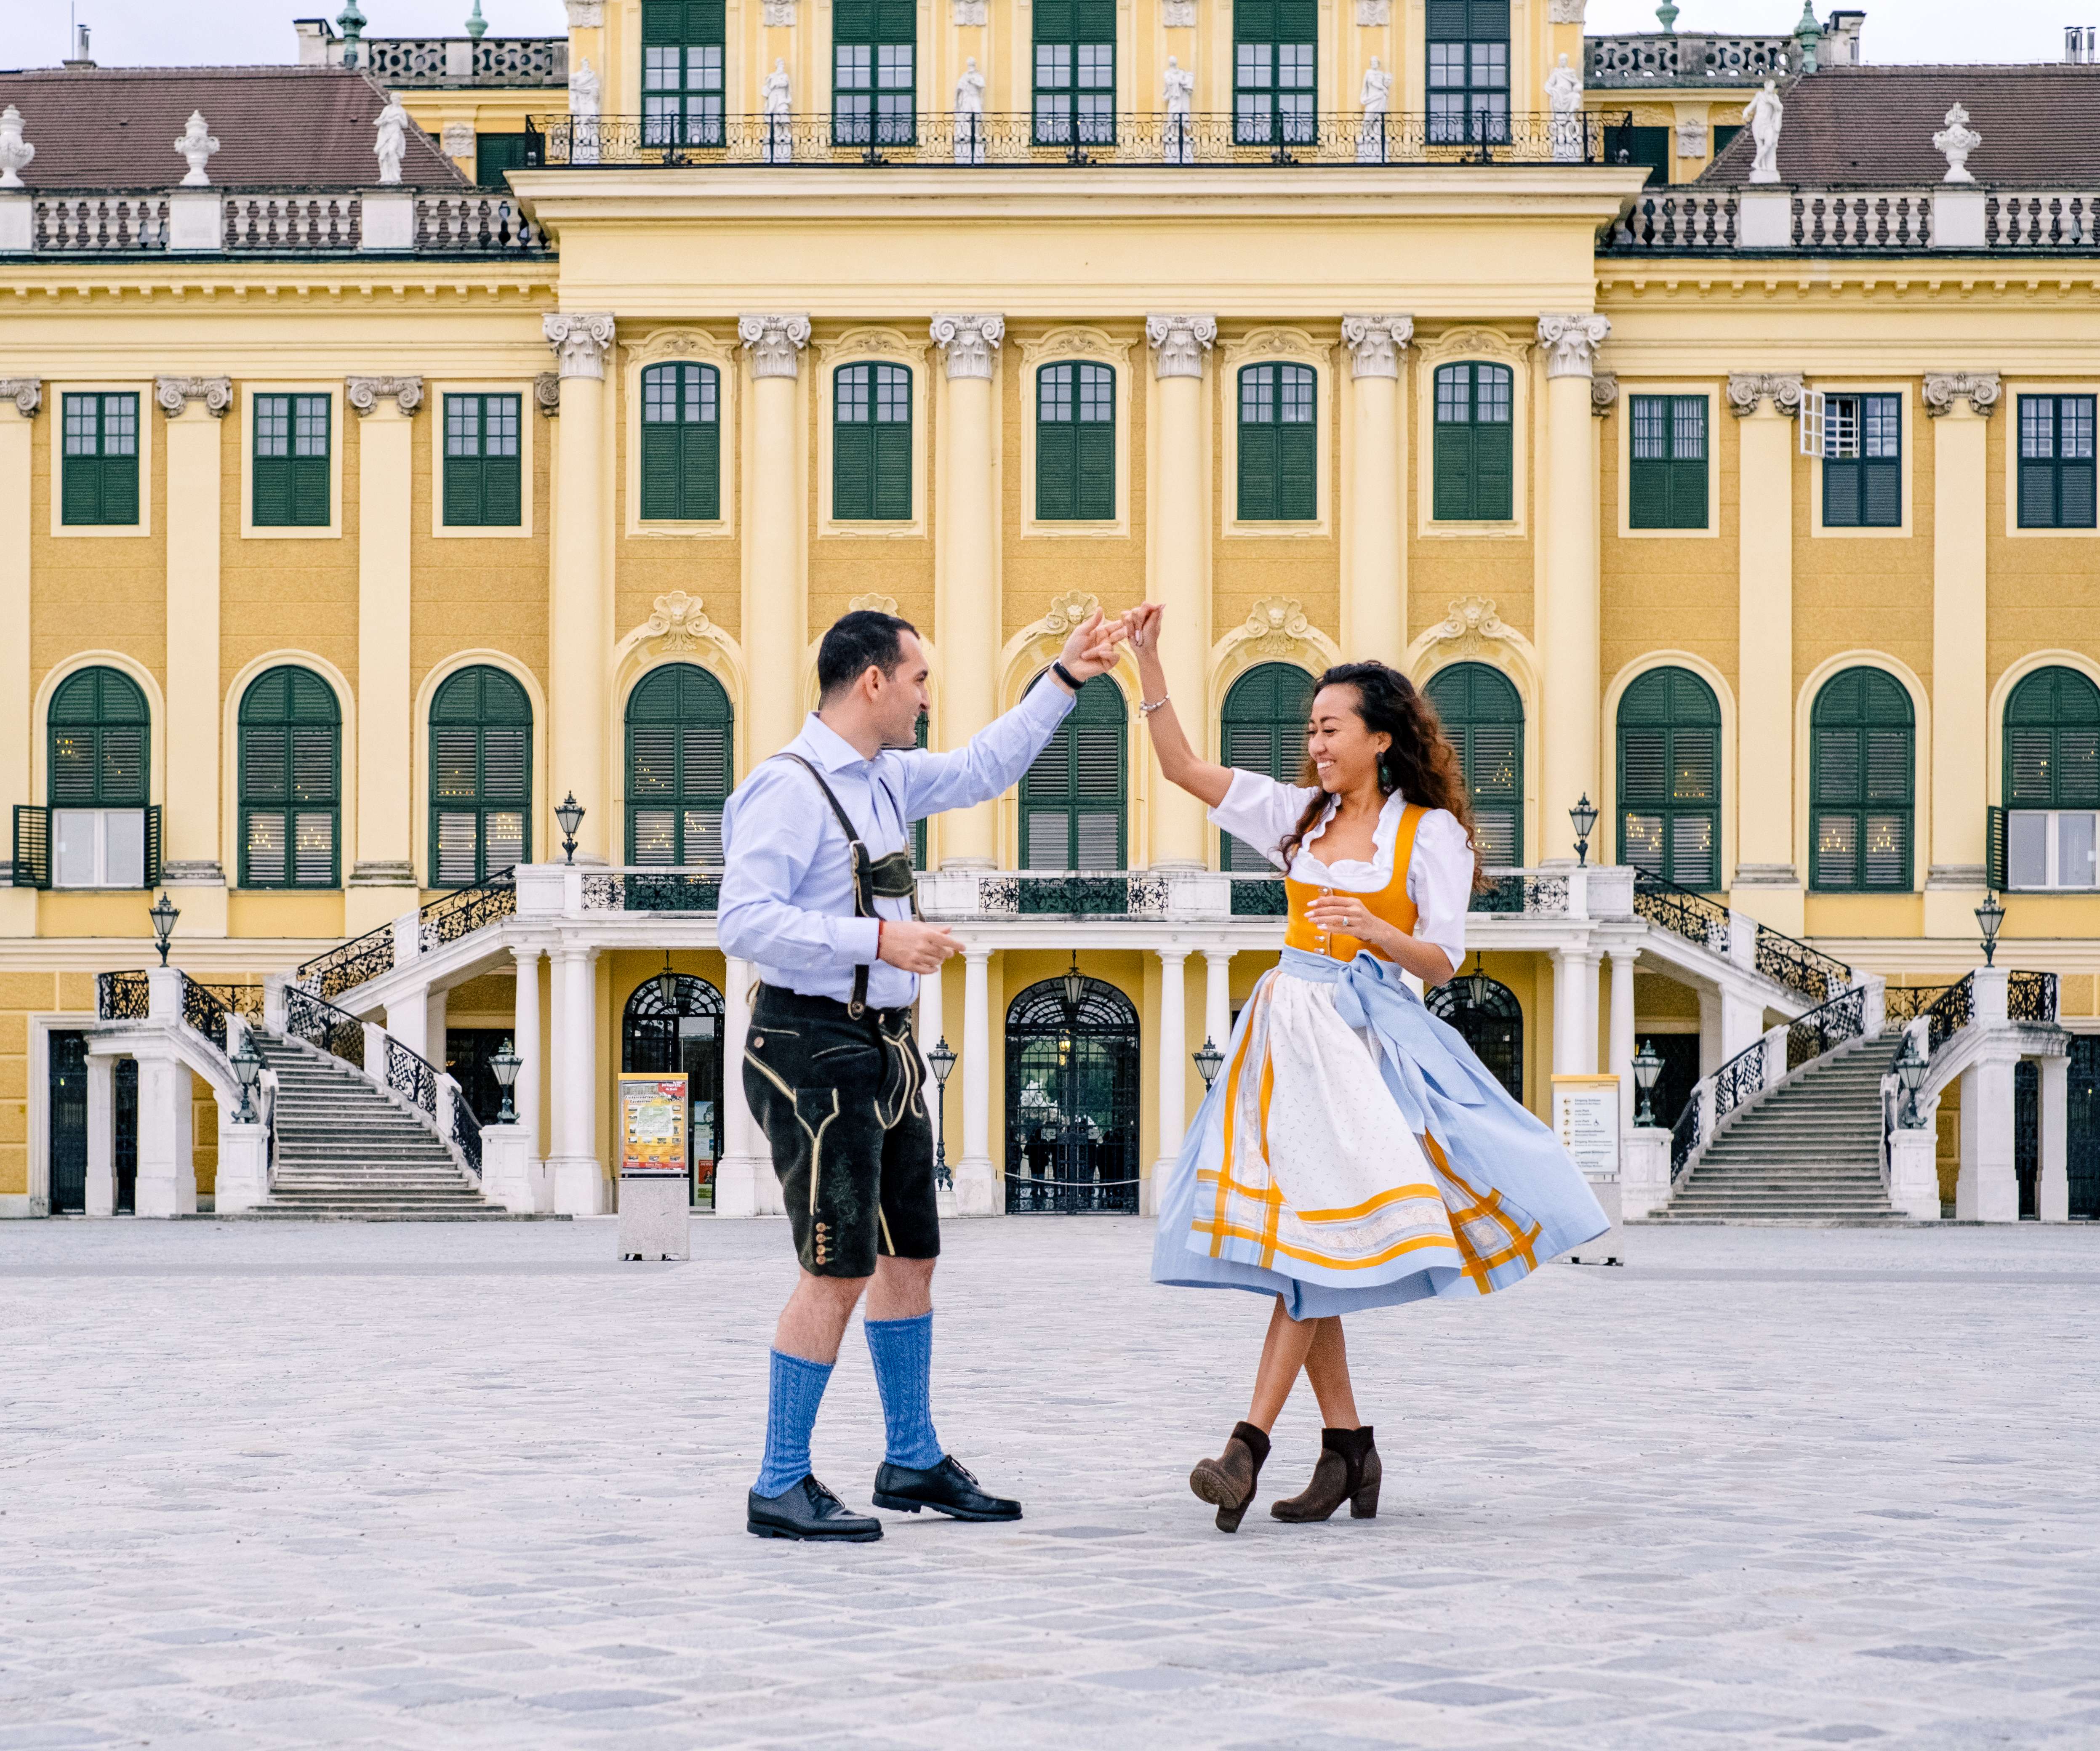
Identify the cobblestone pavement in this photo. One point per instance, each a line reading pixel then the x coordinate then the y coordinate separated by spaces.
pixel 432 1486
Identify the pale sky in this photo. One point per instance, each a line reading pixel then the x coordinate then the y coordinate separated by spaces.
pixel 157 32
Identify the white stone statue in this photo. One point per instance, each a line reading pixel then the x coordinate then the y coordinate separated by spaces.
pixel 583 114
pixel 1563 89
pixel 15 152
pixel 392 142
pixel 197 146
pixel 1180 85
pixel 774 101
pixel 1765 113
pixel 1376 94
pixel 969 114
pixel 1957 141
pixel 774 91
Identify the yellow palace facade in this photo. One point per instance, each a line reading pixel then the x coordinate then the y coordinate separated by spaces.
pixel 421 445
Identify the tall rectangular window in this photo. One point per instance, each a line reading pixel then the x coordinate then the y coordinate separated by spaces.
pixel 1469 72
pixel 681 72
pixel 1275 65
pixel 483 487
pixel 1473 454
pixel 1075 72
pixel 681 443
pixel 874 72
pixel 1862 462
pixel 1075 444
pixel 1279 444
pixel 2056 462
pixel 871 444
pixel 101 464
pixel 1667 481
pixel 291 462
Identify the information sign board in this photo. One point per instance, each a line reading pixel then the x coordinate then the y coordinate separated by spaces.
pixel 652 1125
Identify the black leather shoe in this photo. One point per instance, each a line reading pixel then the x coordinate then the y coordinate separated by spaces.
pixel 807 1509
pixel 947 1488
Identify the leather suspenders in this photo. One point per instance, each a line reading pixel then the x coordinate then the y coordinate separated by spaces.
pixel 890 878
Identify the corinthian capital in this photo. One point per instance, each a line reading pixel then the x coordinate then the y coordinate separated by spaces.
pixel 968 343
pixel 775 343
pixel 175 393
pixel 1375 343
pixel 1943 389
pixel 1572 342
pixel 1746 388
pixel 365 393
pixel 1179 343
pixel 580 339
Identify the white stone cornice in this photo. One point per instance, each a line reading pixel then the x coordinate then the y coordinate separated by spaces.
pixel 968 343
pixel 1179 343
pixel 27 393
pixel 1943 389
pixel 775 343
pixel 1746 388
pixel 365 393
pixel 586 15
pixel 1572 342
pixel 1375 343
pixel 1603 393
pixel 547 392
pixel 580 339
pixel 175 393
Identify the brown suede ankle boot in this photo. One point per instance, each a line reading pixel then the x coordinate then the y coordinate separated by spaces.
pixel 1348 1471
pixel 1228 1482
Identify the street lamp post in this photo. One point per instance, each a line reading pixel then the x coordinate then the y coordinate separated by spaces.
pixel 667 986
pixel 943 1060
pixel 1647 1066
pixel 164 912
pixel 1910 1068
pixel 504 1066
pixel 1989 916
pixel 571 815
pixel 248 1068
pixel 1584 816
pixel 1209 1061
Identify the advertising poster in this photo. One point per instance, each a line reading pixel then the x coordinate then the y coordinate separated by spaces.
pixel 652 1125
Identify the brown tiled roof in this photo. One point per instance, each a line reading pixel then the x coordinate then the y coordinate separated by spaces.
pixel 1874 124
pixel 277 127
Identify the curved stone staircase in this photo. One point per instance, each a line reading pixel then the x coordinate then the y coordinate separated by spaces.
pixel 1808 1153
pixel 347 1152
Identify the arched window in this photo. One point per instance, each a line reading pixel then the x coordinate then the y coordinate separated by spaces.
pixel 681 443
pixel 101 833
pixel 1670 778
pixel 1074 442
pixel 1279 443
pixel 480 777
pixel 2052 787
pixel 1473 454
pixel 871 444
pixel 291 796
pixel 1073 1078
pixel 684 1038
pixel 1485 719
pixel 1861 756
pixel 1493 1027
pixel 1072 797
pixel 1263 731
pixel 679 731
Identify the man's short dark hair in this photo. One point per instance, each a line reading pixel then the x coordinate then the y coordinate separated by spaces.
pixel 862 640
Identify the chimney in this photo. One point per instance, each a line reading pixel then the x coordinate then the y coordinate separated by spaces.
pixel 2079 46
pixel 314 35
pixel 1841 39
pixel 80 57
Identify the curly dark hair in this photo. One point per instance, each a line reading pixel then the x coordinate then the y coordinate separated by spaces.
pixel 1422 764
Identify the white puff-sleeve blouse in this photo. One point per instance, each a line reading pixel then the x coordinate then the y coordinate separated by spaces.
pixel 1440 876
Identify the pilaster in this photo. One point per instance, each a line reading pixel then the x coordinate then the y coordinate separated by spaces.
pixel 1179 559
pixel 580 616
pixel 1570 636
pixel 977 1186
pixel 775 583
pixel 1374 553
pixel 20 400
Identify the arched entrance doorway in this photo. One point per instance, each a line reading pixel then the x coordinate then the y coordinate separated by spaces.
pixel 1490 1020
pixel 1072 1066
pixel 661 1038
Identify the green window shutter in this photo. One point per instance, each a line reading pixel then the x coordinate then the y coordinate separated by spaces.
pixel 1072 797
pixel 1096 473
pixel 893 473
pixel 1669 792
pixel 1297 490
pixel 853 473
pixel 480 777
pixel 1841 492
pixel 1258 470
pixel 1494 478
pixel 663 473
pixel 33 846
pixel 680 747
pixel 1860 784
pixel 1262 728
pixel 99 468
pixel 700 471
pixel 1687 465
pixel 1057 471
pixel 1484 716
pixel 1452 462
pixel 273 492
pixel 290 761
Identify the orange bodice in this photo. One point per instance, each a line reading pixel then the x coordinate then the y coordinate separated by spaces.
pixel 1390 904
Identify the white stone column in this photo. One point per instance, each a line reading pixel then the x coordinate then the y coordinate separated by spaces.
pixel 101 1135
pixel 167 1158
pixel 1571 746
pixel 578 1176
pixel 579 612
pixel 976 1182
pixel 1180 562
pixel 966 620
pixel 745 1166
pixel 1988 1187
pixel 1218 996
pixel 525 1047
pixel 1375 550
pixel 2052 1090
pixel 1173 1068
pixel 20 398
pixel 408 1021
pixel 1622 1034
pixel 1575 1011
pixel 775 590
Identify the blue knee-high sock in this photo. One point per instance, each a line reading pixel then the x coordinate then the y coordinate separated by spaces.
pixel 797 1389
pixel 903 1353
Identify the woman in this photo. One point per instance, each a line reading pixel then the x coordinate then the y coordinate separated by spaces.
pixel 1355 1153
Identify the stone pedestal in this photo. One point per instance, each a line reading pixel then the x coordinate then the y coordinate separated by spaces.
pixel 579 1186
pixel 243 1180
pixel 506 1167
pixel 1644 1173
pixel 1609 1247
pixel 977 1188
pixel 1914 1173
pixel 655 1216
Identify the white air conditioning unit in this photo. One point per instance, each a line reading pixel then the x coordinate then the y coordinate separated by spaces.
pixel 1829 424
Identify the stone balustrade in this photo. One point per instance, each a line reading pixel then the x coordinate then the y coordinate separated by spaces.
pixel 1666 58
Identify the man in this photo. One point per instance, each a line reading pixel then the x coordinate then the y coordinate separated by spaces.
pixel 819 893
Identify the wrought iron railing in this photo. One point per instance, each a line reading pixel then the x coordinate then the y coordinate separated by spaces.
pixel 203 1011
pixel 1028 894
pixel 466 910
pixel 243 1000
pixel 1684 1135
pixel 411 1076
pixel 1682 912
pixel 360 959
pixel 466 1130
pixel 653 891
pixel 2031 997
pixel 1018 140
pixel 1741 1077
pixel 1260 897
pixel 319 1023
pixel 1906 1003
pixel 121 996
pixel 1954 1011
pixel 1524 891
pixel 1824 1028
pixel 1786 961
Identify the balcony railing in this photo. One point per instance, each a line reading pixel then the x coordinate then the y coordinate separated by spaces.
pixel 285 222
pixel 398 62
pixel 1693 219
pixel 1016 140
pixel 1665 58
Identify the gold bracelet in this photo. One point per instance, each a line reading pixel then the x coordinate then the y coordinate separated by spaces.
pixel 1146 708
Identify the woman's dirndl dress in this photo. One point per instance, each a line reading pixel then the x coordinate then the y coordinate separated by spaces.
pixel 1354 1153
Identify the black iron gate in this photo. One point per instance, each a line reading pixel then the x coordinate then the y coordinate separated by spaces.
pixel 2027 1135
pixel 1072 1093
pixel 665 1039
pixel 68 1140
pixel 2081 1130
pixel 1494 1026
